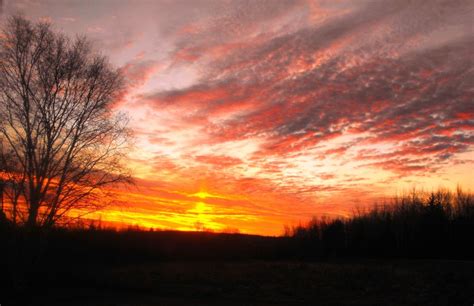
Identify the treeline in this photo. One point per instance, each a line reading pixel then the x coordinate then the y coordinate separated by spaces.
pixel 416 225
pixel 95 245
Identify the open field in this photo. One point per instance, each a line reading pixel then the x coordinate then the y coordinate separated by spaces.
pixel 262 283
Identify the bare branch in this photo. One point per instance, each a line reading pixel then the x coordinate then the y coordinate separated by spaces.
pixel 61 142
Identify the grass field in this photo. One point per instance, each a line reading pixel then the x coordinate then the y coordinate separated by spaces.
pixel 264 283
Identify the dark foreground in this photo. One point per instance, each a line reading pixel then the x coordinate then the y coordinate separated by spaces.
pixel 260 283
pixel 422 242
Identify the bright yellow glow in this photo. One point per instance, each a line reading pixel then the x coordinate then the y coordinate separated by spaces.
pixel 202 195
pixel 201 208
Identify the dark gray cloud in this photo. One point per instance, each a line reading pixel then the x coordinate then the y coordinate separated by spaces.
pixel 399 70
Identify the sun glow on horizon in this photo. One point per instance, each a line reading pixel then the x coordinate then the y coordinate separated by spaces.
pixel 201 195
pixel 204 195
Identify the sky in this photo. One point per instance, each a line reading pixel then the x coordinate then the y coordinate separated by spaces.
pixel 252 115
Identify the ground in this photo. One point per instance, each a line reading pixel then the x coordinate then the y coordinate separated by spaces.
pixel 265 283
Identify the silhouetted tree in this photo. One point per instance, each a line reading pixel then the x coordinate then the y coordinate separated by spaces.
pixel 61 142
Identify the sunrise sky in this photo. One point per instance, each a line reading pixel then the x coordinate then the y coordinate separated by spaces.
pixel 252 115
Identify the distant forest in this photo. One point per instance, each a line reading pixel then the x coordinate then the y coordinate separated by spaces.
pixel 417 225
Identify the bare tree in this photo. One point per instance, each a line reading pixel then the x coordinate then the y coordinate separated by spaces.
pixel 61 142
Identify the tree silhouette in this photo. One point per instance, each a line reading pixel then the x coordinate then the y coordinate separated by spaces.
pixel 61 142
